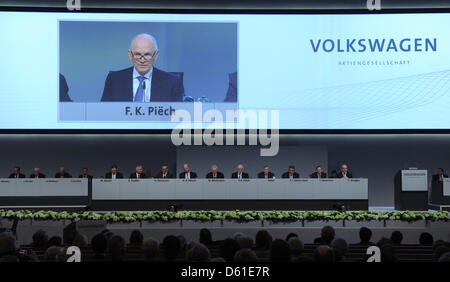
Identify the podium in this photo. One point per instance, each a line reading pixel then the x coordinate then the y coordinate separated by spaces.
pixel 411 190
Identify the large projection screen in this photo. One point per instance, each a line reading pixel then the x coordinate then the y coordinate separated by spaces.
pixel 301 71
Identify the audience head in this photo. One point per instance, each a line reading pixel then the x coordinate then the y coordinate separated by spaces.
pixel 340 248
pixel 296 246
pixel 171 247
pixel 198 253
pixel 388 253
pixel 365 234
pixel 117 248
pixel 396 237
pixel 445 257
pixel 291 235
pixel 323 254
pixel 245 255
pixel 426 239
pixel 80 241
pixel 263 240
pixel 7 246
pixel 136 237
pixel 205 237
pixel 327 234
pixel 99 244
pixel 228 249
pixel 52 253
pixel 40 239
pixel 245 242
pixel 280 251
pixel 150 249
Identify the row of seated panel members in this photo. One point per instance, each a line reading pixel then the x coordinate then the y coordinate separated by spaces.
pixel 214 173
pixel 188 174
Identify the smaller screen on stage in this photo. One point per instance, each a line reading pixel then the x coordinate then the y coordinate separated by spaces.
pixel 153 71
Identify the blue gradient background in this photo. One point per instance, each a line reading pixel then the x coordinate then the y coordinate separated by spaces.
pixel 205 52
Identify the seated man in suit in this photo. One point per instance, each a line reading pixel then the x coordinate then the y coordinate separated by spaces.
pixel 143 82
pixel 318 173
pixel 344 173
pixel 62 173
pixel 139 173
pixel 37 173
pixel 439 177
pixel 333 174
pixel 84 174
pixel 187 173
pixel 215 173
pixel 232 88
pixel 164 173
pixel 63 89
pixel 266 173
pixel 113 174
pixel 290 173
pixel 16 173
pixel 239 174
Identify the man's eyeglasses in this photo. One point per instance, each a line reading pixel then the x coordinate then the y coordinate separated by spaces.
pixel 146 56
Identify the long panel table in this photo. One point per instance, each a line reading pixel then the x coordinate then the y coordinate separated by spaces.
pixel 44 192
pixel 223 194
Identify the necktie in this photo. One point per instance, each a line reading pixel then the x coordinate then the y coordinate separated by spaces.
pixel 187 175
pixel 240 176
pixel 139 97
pixel 138 175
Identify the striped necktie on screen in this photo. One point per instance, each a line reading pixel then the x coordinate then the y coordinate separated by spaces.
pixel 140 91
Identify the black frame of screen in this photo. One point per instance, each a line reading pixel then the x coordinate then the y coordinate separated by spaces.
pixel 257 11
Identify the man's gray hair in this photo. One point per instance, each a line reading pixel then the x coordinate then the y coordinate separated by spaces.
pixel 198 253
pixel 139 167
pixel 245 255
pixel 214 166
pixel 144 35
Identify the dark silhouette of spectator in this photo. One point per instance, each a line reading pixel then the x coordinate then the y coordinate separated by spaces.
pixel 54 241
pixel 326 236
pixel 52 253
pixel 206 237
pixel 228 249
pixel 6 245
pixel 117 248
pixel 245 255
pixel 183 245
pixel 323 254
pixel 263 240
pixel 396 237
pixel 426 239
pixel 171 247
pixel 365 234
pixel 9 258
pixel 383 241
pixel 280 251
pixel 291 235
pixel 99 244
pixel 136 238
pixel 296 247
pixel 40 240
pixel 150 249
pixel 245 242
pixel 198 253
pixel 340 248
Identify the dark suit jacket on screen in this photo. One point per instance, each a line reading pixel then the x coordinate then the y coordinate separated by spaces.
pixel 218 175
pixel 286 175
pixel 193 175
pixel 235 175
pixel 232 88
pixel 108 175
pixel 261 174
pixel 322 175
pixel 168 175
pixel 165 87
pixel 63 90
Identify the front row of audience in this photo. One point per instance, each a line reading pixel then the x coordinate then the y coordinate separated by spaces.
pixel 107 246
